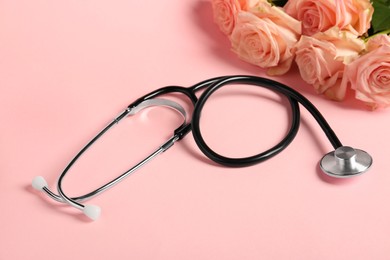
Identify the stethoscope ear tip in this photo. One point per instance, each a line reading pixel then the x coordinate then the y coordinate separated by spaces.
pixel 39 183
pixel 345 162
pixel 92 211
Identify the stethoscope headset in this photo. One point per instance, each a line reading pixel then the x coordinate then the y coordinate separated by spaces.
pixel 343 162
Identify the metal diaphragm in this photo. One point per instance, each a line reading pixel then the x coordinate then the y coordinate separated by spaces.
pixel 345 162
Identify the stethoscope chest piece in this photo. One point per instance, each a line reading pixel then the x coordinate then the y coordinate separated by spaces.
pixel 345 162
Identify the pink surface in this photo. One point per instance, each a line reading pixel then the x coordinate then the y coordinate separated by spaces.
pixel 68 67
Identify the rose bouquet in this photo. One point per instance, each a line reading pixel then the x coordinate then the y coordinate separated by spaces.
pixel 338 45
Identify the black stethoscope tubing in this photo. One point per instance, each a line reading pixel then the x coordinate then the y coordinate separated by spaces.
pixel 344 162
pixel 213 84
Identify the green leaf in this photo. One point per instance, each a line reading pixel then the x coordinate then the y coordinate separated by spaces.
pixel 381 17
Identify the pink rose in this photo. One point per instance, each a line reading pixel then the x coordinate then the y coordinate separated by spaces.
pixel 225 12
pixel 321 15
pixel 377 41
pixel 369 75
pixel 315 15
pixel 321 60
pixel 263 9
pixel 264 43
pixel 354 15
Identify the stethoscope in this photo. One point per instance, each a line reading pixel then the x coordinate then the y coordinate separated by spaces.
pixel 343 162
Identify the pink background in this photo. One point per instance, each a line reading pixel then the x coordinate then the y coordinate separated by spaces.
pixel 68 67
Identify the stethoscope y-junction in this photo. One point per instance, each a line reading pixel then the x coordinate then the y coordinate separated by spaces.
pixel 343 162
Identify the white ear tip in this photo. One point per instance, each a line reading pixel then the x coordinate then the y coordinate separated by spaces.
pixel 92 211
pixel 39 182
